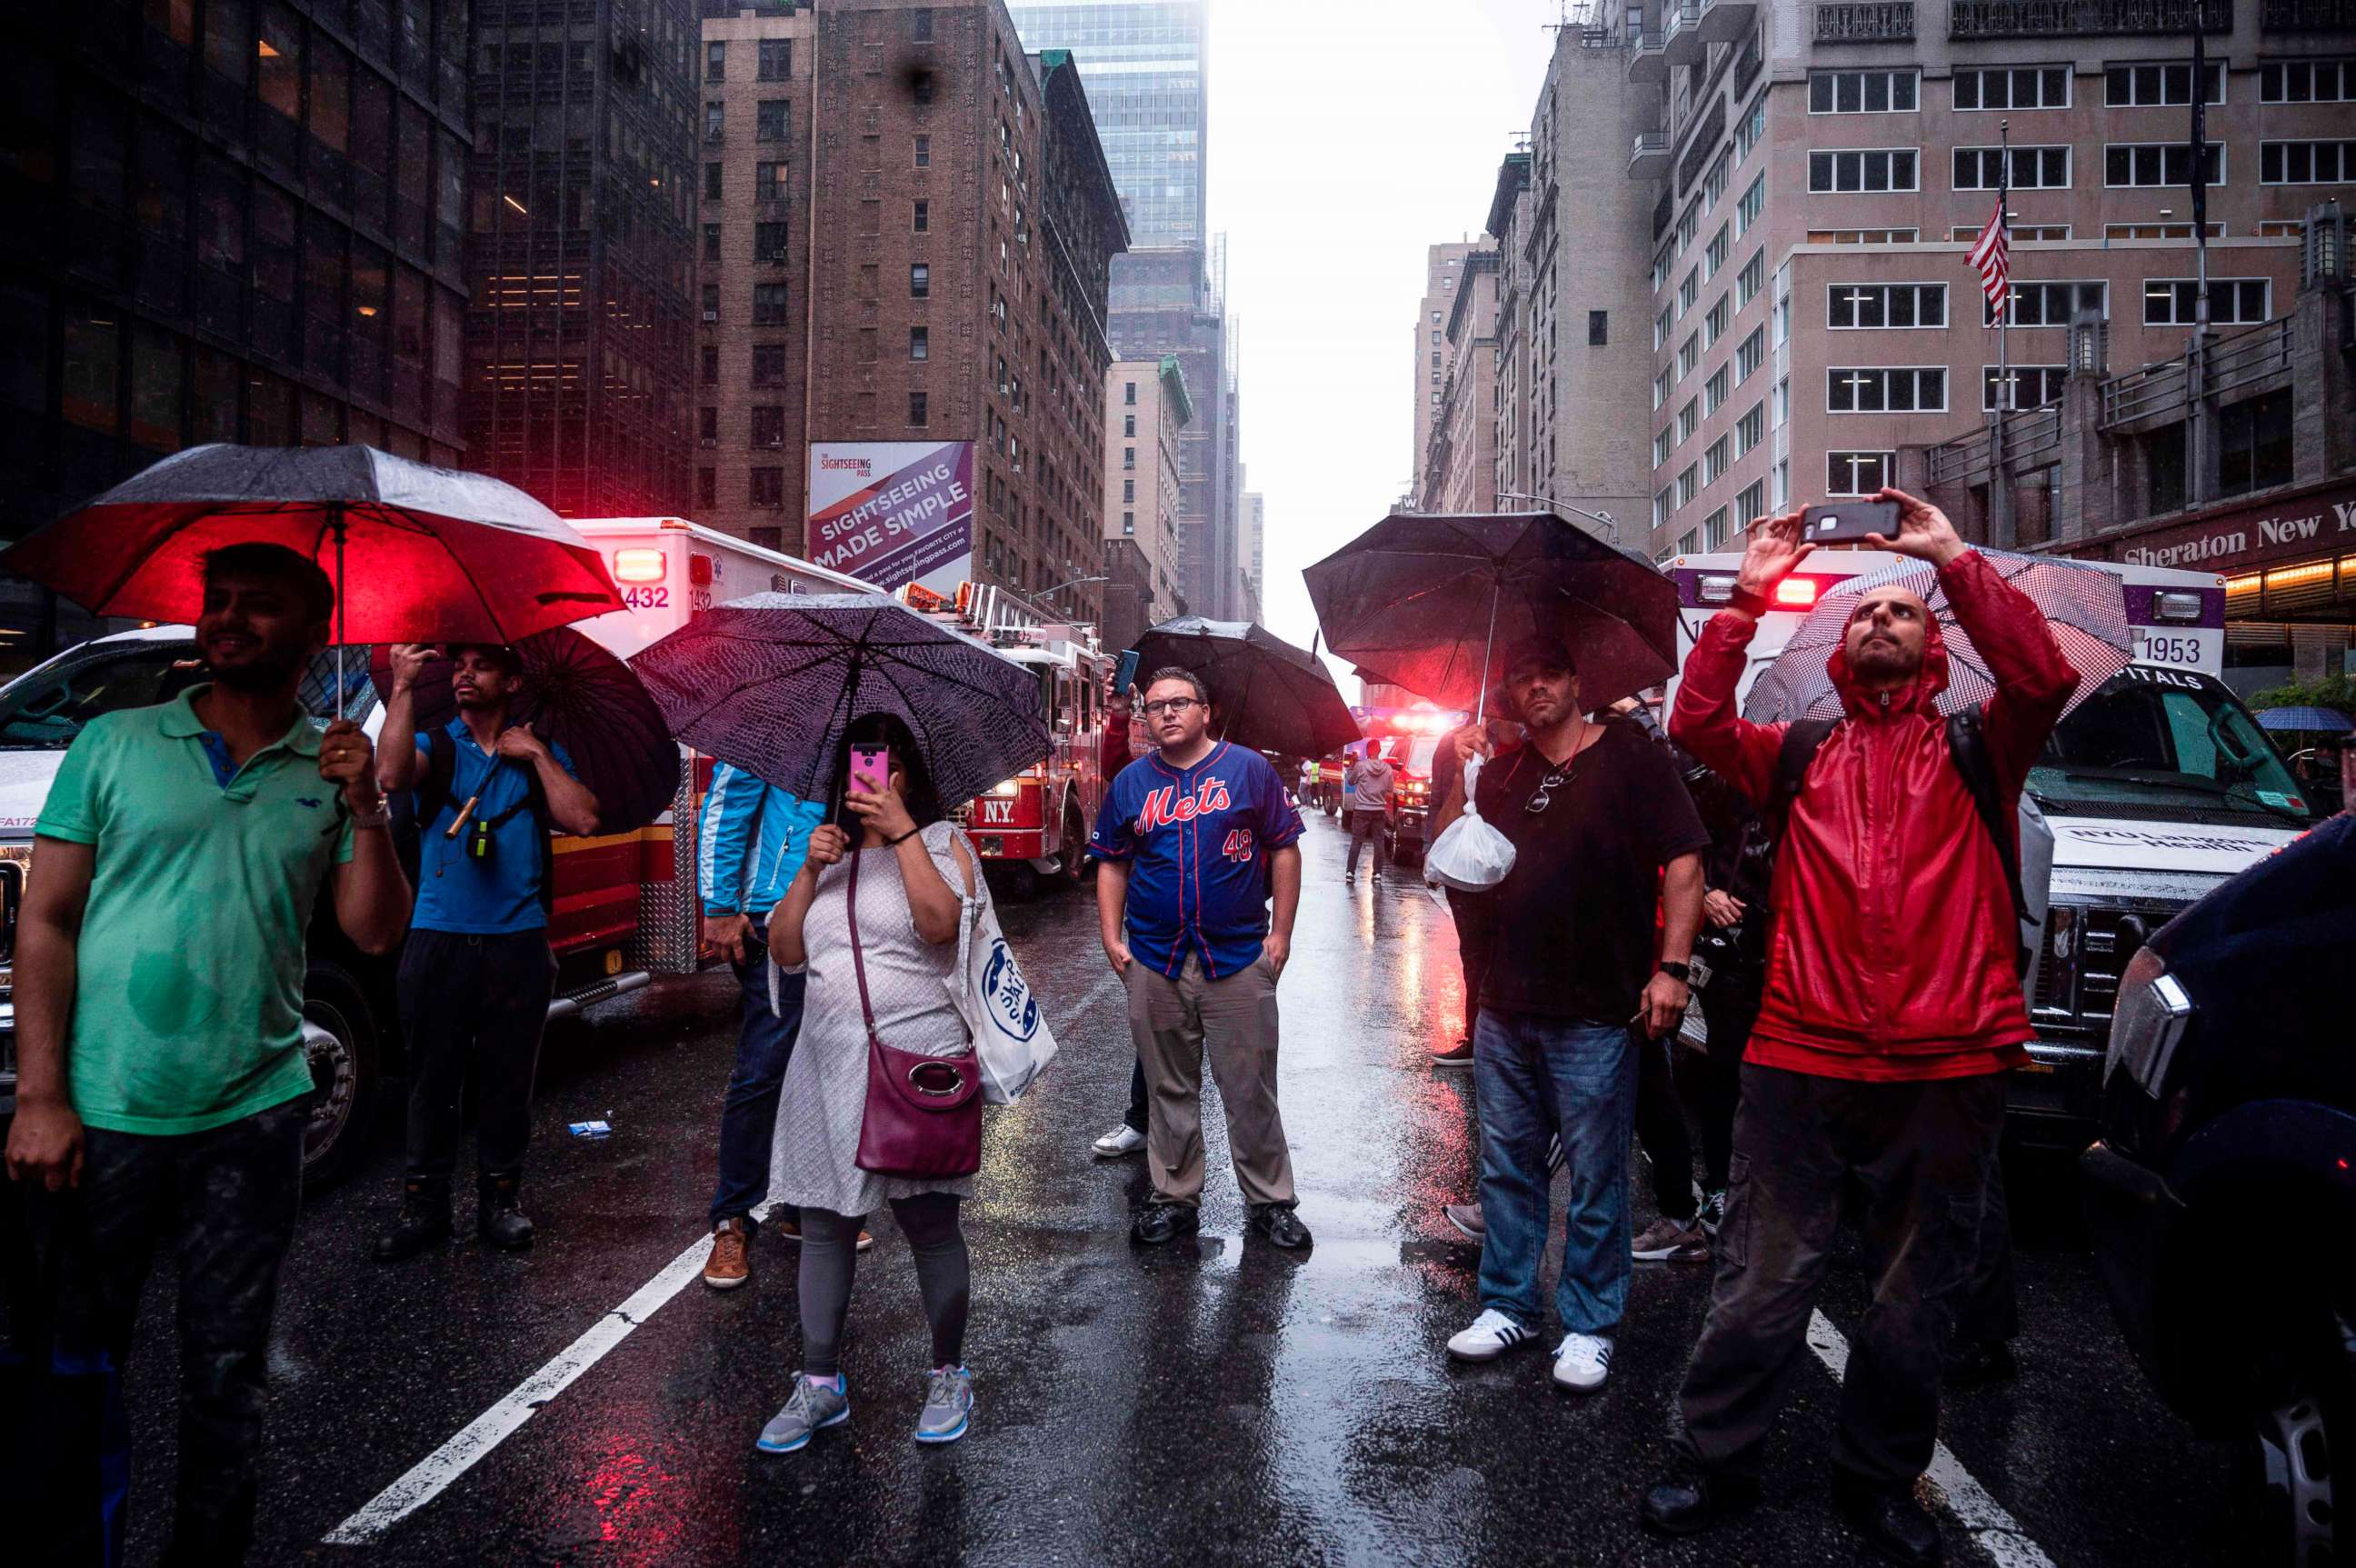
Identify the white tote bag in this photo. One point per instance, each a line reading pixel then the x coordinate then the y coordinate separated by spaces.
pixel 1011 1037
pixel 1471 855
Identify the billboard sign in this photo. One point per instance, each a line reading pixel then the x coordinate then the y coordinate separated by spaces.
pixel 891 512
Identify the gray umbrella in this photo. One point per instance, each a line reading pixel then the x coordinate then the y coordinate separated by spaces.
pixel 771 683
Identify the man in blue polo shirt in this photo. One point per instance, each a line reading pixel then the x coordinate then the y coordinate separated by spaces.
pixel 478 970
pixel 1193 838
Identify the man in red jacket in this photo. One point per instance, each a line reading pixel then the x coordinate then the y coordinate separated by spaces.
pixel 1891 1010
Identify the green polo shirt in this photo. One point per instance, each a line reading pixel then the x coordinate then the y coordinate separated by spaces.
pixel 189 996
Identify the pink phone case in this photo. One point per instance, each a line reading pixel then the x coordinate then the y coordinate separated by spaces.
pixel 871 770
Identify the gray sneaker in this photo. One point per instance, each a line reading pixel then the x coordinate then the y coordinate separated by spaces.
pixel 949 1405
pixel 813 1406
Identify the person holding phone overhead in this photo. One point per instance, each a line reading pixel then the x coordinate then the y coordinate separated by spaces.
pixel 911 870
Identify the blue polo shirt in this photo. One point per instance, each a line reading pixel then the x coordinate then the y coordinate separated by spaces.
pixel 498 893
pixel 1198 841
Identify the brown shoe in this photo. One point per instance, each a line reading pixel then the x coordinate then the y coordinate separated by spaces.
pixel 729 1265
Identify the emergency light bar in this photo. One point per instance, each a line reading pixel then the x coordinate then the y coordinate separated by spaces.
pixel 640 566
pixel 1791 593
pixel 1797 593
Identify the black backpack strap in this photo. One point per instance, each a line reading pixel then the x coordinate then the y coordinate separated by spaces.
pixel 535 801
pixel 441 769
pixel 1967 745
pixel 1802 741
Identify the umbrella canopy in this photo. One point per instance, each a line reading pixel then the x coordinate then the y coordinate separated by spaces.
pixel 417 552
pixel 771 683
pixel 2082 605
pixel 1270 695
pixel 577 695
pixel 2320 721
pixel 1430 602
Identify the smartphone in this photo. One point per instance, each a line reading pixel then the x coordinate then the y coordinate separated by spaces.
pixel 1848 523
pixel 871 769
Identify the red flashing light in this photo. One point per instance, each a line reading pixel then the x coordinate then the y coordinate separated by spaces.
pixel 1797 593
pixel 640 566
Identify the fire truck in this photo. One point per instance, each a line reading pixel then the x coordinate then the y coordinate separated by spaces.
pixel 1034 827
pixel 1409 738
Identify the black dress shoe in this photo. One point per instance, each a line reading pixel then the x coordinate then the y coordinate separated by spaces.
pixel 1279 1226
pixel 1897 1527
pixel 1691 1504
pixel 1158 1222
pixel 1977 1363
pixel 499 1221
pixel 424 1222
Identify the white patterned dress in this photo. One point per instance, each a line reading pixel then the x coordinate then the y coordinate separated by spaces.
pixel 813 1160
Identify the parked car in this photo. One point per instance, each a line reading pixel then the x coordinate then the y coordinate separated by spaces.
pixel 2221 1194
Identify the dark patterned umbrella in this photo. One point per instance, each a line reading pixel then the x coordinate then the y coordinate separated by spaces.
pixel 771 683
pixel 1270 695
pixel 2083 603
pixel 577 695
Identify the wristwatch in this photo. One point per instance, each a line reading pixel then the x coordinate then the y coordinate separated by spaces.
pixel 1681 974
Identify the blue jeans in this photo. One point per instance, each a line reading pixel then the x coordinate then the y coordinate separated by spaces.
pixel 748 1118
pixel 1532 1077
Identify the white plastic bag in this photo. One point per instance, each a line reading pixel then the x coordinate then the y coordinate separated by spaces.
pixel 1470 855
pixel 1011 1037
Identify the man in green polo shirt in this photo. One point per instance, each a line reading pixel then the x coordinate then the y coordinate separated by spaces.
pixel 162 1086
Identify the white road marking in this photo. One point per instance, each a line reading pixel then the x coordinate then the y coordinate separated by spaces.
pixel 426 1479
pixel 1992 1530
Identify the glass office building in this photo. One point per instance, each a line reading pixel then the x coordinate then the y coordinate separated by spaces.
pixel 1143 64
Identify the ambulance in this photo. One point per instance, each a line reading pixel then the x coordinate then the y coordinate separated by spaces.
pixel 625 904
pixel 2156 788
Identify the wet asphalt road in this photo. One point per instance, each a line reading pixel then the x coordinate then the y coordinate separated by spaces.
pixel 1226 1405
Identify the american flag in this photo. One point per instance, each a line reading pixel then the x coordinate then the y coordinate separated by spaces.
pixel 1987 257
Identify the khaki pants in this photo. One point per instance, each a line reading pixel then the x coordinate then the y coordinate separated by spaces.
pixel 1173 1022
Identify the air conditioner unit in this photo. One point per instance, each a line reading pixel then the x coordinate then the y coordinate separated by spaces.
pixel 708 441
pixel 712 316
pixel 711 136
pixel 777 445
pixel 778 258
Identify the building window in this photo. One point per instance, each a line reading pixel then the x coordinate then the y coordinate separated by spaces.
pixel 710 374
pixel 711 243
pixel 1864 91
pixel 1129 394
pixel 1129 426
pixel 2033 386
pixel 711 293
pixel 1661 325
pixel 1689 541
pixel 1893 168
pixel 1714 325
pixel 2307 82
pixel 1688 487
pixel 2306 163
pixel 1857 473
pixel 1753 207
pixel 1662 445
pixel 707 488
pixel 1714 391
pixel 2025 233
pixel 2143 231
pixel 2033 168
pixel 1721 246
pixel 2051 304
pixel 1714 461
pixel 1753 129
pixel 1751 279
pixel 2157 85
pixel 1128 491
pixel 1878 390
pixel 1863 236
pixel 2131 164
pixel 1713 530
pixel 768 427
pixel 1883 305
pixel 1663 504
pixel 920 25
pixel 769 119
pixel 1783 402
pixel 917 412
pixel 767 488
pixel 1751 504
pixel 919 344
pixel 707 425
pixel 712 182
pixel 2029 87
pixel 768 305
pixel 920 218
pixel 923 152
pixel 769 364
pixel 1599 328
pixel 1688 420
pixel 716 60
pixel 1688 354
pixel 2233 302
pixel 1128 524
pixel 768 182
pixel 1689 291
pixel 777 61
pixel 1750 430
pixel 1750 356
pixel 769 243
pixel 715 121
pixel 1129 457
pixel 920 281
pixel 1661 385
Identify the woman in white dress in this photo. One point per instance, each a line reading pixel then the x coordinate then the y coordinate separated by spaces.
pixel 914 872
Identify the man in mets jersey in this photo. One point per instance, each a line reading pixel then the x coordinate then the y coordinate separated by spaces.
pixel 1193 837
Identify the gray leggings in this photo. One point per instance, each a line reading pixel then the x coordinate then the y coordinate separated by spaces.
pixel 830 1254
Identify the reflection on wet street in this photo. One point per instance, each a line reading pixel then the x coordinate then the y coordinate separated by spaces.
pixel 1220 1405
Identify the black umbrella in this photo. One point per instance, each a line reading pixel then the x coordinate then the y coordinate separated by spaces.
pixel 772 682
pixel 1270 695
pixel 577 695
pixel 1427 602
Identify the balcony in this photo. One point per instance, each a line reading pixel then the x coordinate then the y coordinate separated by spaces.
pixel 1648 158
pixel 2088 18
pixel 1725 21
pixel 2307 17
pixel 1870 22
pixel 1695 24
pixel 1648 60
pixel 1682 33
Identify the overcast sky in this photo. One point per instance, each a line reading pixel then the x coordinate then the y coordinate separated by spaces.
pixel 1344 139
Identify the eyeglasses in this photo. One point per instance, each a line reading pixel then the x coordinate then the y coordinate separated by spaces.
pixel 1544 795
pixel 1168 706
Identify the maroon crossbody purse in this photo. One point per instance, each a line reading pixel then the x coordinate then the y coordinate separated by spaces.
pixel 924 1113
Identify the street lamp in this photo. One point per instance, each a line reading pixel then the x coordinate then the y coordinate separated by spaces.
pixel 1603 517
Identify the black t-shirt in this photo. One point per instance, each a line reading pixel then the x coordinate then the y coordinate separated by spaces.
pixel 1574 918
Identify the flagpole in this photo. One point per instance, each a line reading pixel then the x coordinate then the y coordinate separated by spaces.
pixel 2197 426
pixel 2001 532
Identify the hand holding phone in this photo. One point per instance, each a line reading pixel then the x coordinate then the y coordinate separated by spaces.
pixel 871 769
pixel 1848 523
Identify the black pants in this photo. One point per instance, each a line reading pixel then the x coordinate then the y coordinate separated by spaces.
pixel 1989 1311
pixel 1135 1116
pixel 1920 1154
pixel 1476 938
pixel 1661 1131
pixel 748 1115
pixel 1709 1082
pixel 224 1202
pixel 1364 826
pixel 474 999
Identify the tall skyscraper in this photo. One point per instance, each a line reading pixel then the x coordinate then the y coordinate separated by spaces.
pixel 580 253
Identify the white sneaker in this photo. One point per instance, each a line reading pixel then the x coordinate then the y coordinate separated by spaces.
pixel 1490 1336
pixel 1582 1363
pixel 1122 1140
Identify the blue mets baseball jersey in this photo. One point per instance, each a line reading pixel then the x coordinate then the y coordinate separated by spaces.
pixel 1197 840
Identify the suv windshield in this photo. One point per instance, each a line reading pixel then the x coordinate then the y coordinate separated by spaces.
pixel 2170 743
pixel 45 709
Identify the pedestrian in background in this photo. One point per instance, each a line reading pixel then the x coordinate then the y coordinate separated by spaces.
pixel 1194 841
pixel 750 844
pixel 162 1088
pixel 1469 910
pixel 1370 782
pixel 478 972
pixel 1602 834
pixel 1891 1009
pixel 1127 1135
pixel 911 871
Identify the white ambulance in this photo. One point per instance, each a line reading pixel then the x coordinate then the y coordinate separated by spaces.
pixel 2158 788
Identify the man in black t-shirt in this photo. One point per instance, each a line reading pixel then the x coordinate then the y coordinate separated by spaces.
pixel 1604 833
